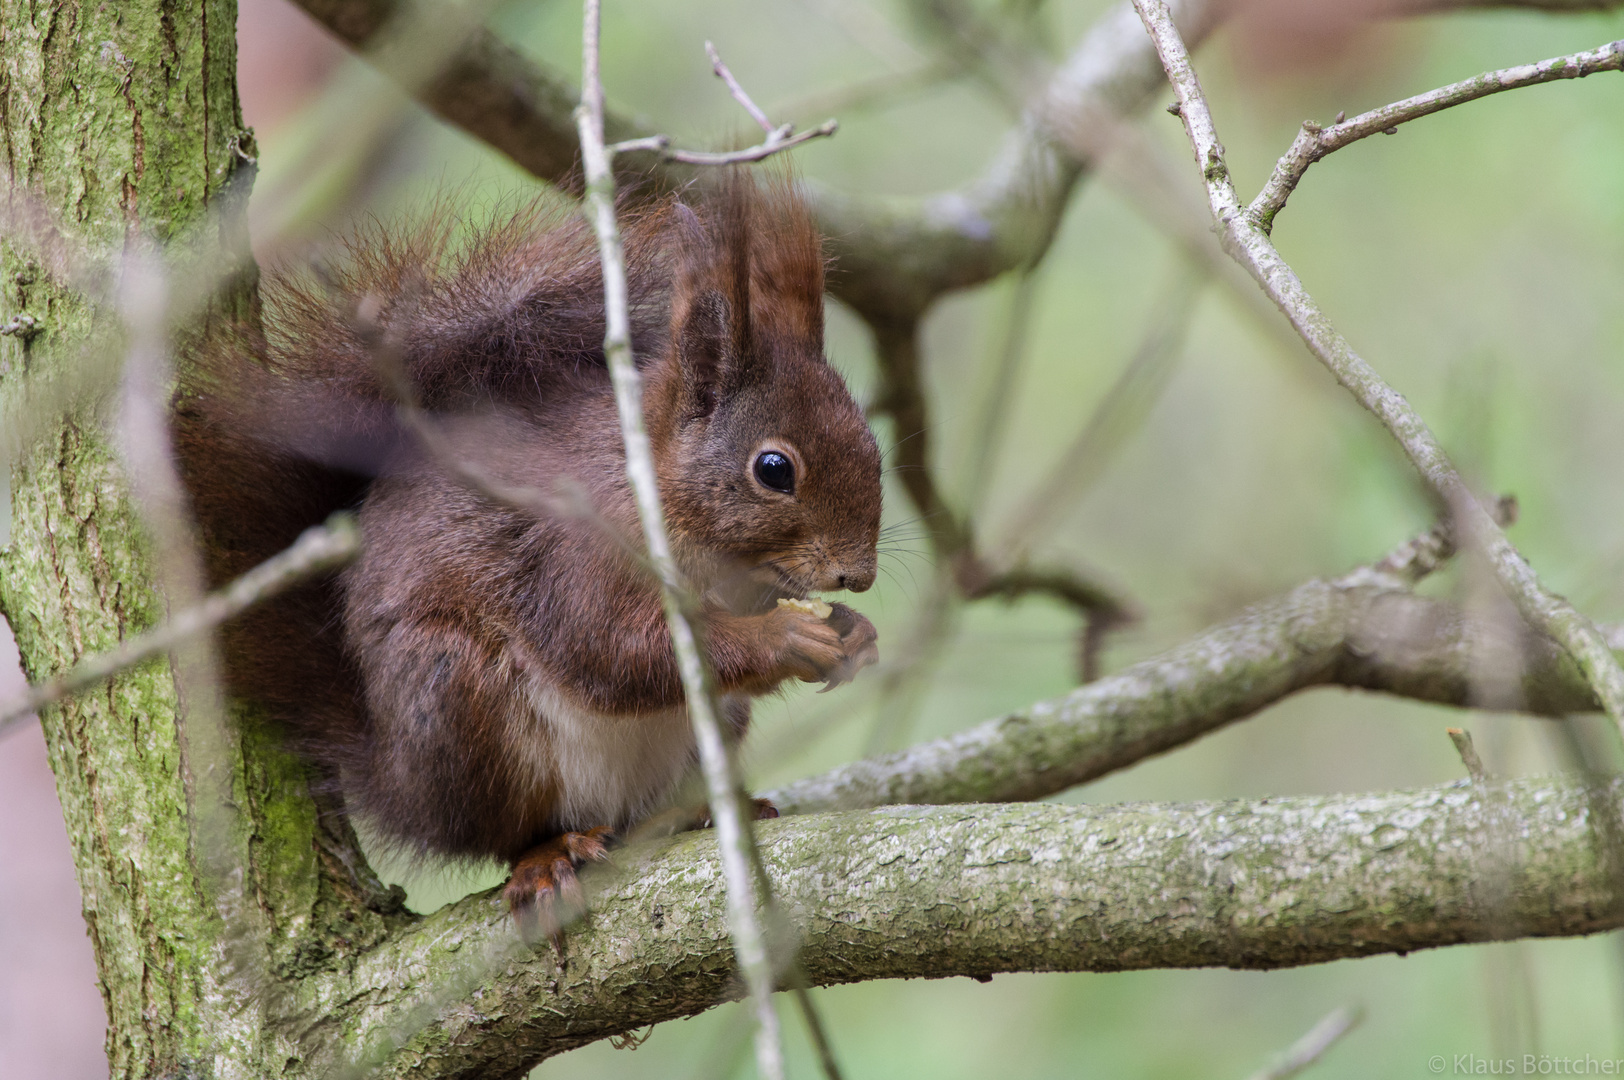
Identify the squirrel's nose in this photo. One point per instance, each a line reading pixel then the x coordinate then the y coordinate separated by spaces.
pixel 858 580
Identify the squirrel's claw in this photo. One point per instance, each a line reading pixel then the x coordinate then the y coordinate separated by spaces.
pixel 760 810
pixel 802 646
pixel 858 644
pixel 544 893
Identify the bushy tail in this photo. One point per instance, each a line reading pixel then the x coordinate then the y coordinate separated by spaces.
pixel 253 492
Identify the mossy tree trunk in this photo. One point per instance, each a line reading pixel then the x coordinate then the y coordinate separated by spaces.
pixel 122 129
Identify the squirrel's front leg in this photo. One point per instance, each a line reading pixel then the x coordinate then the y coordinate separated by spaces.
pixel 754 653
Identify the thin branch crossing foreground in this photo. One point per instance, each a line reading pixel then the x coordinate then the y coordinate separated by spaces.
pixel 1249 244
pixel 316 550
pixel 733 826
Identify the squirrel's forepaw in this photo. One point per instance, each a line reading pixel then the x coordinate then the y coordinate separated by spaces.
pixel 858 645
pixel 806 647
pixel 829 650
pixel 544 893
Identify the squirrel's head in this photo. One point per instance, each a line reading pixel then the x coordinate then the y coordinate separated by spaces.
pixel 768 470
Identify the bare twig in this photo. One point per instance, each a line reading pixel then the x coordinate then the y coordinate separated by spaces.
pixel 1250 245
pixel 758 152
pixel 1314 142
pixel 321 548
pixel 1312 1046
pixel 732 826
pixel 779 138
pixel 738 93
pixel 1468 753
pixel 662 144
pixel 1102 609
pixel 1415 559
pixel 814 1030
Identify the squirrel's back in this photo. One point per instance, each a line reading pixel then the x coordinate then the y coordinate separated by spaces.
pixel 276 432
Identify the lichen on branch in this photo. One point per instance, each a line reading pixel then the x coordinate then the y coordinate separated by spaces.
pixel 934 892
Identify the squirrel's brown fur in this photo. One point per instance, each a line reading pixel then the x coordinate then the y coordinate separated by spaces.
pixel 484 683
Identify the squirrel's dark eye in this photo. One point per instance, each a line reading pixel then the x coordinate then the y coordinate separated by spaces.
pixel 775 471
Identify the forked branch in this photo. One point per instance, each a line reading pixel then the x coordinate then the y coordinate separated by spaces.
pixel 1314 142
pixel 1365 630
pixel 1249 244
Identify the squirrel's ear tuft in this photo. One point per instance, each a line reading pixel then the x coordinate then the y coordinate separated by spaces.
pixel 703 345
pixel 788 265
pixel 710 303
pixel 691 238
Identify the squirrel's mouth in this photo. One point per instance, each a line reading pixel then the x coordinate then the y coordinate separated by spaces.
pixel 780 591
pixel 759 589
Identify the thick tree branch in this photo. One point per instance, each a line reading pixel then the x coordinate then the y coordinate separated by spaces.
pixel 910 892
pixel 500 96
pixel 1366 630
pixel 1249 245
pixel 894 259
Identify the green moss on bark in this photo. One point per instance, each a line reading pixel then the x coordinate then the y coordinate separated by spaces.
pixel 121 127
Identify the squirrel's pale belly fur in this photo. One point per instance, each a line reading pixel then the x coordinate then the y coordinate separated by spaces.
pixel 608 769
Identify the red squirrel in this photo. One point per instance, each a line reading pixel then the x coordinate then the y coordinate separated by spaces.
pixel 484 682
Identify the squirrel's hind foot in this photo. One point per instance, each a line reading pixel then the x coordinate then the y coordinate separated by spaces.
pixel 759 810
pixel 544 893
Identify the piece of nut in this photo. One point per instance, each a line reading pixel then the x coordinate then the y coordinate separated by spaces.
pixel 814 607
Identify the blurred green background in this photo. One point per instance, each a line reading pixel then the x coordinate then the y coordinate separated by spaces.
pixel 1476 259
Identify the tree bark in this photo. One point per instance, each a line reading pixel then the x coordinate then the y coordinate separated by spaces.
pixel 931 892
pixel 121 128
